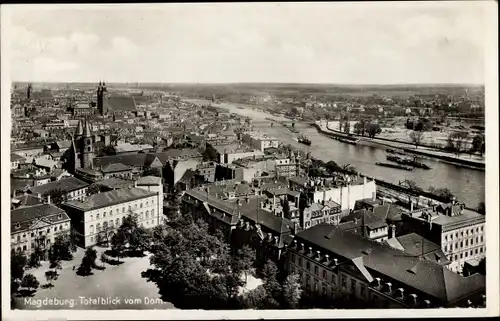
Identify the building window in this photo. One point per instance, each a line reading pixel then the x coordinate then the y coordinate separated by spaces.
pixel 362 290
pixel 60 227
pixel 324 274
pixel 32 234
pixel 147 214
pixel 97 216
pixel 91 239
pixel 344 280
pixel 91 229
pixel 308 266
pixel 110 212
pixel 353 286
pixel 98 227
pixel 293 258
pixel 300 261
pixel 316 270
pixel 152 213
pixel 24 247
pixel 117 222
pixel 104 214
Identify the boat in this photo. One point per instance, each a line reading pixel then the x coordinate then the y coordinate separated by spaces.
pixel 394 151
pixel 304 140
pixel 397 166
pixel 408 162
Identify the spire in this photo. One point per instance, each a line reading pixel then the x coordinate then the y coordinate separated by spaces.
pixel 79 129
pixel 86 131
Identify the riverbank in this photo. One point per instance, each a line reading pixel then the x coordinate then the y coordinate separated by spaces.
pixel 422 152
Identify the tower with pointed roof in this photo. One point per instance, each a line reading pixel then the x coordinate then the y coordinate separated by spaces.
pixel 82 151
pixel 86 148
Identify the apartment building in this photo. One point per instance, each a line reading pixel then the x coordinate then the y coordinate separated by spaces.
pixel 259 141
pixel 335 265
pixel 95 219
pixel 72 187
pixel 460 232
pixel 37 226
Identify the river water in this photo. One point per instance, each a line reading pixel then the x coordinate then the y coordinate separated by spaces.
pixel 467 184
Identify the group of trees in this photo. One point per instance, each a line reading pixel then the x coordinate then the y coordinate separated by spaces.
pixel 458 141
pixel 88 262
pixel 196 269
pixel 130 236
pixel 367 128
pixel 18 278
pixel 422 124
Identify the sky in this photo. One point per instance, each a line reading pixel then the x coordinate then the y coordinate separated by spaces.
pixel 337 43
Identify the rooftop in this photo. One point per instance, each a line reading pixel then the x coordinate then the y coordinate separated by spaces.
pixel 110 198
pixel 149 180
pixel 428 277
pixel 65 184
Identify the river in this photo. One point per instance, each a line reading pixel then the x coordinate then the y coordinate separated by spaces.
pixel 467 184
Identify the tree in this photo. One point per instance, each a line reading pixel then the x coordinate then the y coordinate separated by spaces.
pixel 270 278
pixel 442 192
pixel 35 257
pixel 57 196
pixel 244 260
pixel 478 144
pixel 459 139
pixel 61 249
pixel 29 281
pixel 17 264
pixel 481 208
pixel 416 137
pixel 291 291
pixel 347 127
pixel 88 261
pixel 373 129
pixel 358 128
pixel 93 189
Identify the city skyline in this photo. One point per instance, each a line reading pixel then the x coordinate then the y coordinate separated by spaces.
pixel 261 43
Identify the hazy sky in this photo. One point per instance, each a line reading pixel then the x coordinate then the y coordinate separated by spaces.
pixel 368 43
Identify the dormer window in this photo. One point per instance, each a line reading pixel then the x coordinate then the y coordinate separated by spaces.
pixel 413 297
pixel 400 293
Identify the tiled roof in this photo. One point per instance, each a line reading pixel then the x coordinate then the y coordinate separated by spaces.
pixel 149 180
pixel 65 184
pixel 114 182
pixel 417 245
pixel 428 277
pixel 120 103
pixel 115 167
pixel 388 212
pixel 27 200
pixel 33 212
pixel 16 158
pixel 110 198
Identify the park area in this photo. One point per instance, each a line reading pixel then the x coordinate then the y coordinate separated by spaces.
pixel 116 287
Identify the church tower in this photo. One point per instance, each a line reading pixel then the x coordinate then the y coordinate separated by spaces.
pixel 86 148
pixel 101 89
pixel 28 91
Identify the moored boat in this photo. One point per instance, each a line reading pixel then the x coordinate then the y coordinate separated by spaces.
pixel 397 166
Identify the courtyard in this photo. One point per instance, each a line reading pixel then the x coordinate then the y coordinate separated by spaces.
pixel 116 287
